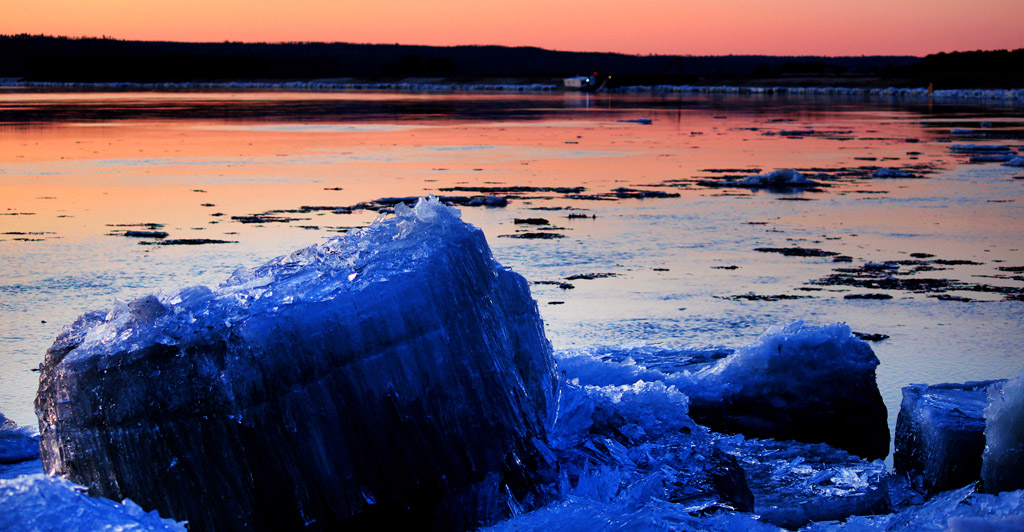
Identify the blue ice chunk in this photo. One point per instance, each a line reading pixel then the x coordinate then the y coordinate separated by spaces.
pixel 396 375
pixel 1002 466
pixel 940 434
pixel 813 384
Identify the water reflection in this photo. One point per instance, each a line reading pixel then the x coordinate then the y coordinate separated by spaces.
pixel 79 168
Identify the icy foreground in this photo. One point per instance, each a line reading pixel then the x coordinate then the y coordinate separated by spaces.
pixel 400 376
pixel 395 375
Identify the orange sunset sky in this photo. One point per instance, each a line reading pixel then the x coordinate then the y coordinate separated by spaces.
pixel 696 27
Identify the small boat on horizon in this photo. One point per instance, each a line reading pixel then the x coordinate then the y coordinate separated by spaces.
pixel 585 83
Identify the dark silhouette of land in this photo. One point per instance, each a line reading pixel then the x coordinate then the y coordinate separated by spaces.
pixel 63 59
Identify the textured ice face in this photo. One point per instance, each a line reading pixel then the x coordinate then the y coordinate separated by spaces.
pixel 1002 466
pixel 392 375
pixel 940 434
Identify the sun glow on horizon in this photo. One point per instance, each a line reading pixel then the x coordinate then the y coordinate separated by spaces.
pixel 698 27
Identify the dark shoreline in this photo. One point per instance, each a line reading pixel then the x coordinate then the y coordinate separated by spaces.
pixel 36 58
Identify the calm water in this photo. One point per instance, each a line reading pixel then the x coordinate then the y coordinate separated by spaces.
pixel 78 170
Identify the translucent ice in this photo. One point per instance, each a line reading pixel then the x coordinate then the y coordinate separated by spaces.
pixel 940 434
pixel 395 375
pixel 1003 460
pixel 797 483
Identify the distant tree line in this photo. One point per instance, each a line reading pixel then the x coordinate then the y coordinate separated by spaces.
pixel 46 58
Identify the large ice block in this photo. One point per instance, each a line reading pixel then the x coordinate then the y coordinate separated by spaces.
pixel 940 434
pixel 799 382
pixel 1002 467
pixel 394 375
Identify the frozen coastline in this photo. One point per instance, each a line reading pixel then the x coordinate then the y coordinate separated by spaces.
pixel 621 449
pixel 975 96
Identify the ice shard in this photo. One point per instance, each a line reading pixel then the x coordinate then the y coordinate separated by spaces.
pixel 38 503
pixel 396 375
pixel 940 434
pixel 1002 467
pixel 17 444
pixel 799 382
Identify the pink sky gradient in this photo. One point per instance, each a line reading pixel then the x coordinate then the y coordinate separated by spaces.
pixel 694 27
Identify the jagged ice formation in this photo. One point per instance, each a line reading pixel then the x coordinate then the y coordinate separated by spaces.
pixel 394 375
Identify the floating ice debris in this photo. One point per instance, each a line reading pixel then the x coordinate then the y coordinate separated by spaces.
pixel 188 242
pixel 940 435
pixel 750 296
pixel 993 158
pixel 880 173
pixel 531 221
pixel 779 179
pixel 1003 461
pixel 871 337
pixel 590 276
pixel 514 189
pixel 640 120
pixel 39 503
pixel 1017 161
pixel 146 234
pixel 881 266
pixel 264 219
pixel 867 296
pixel 978 148
pixel 414 392
pixel 798 252
pixel 536 235
pixel 624 192
pixel 799 382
